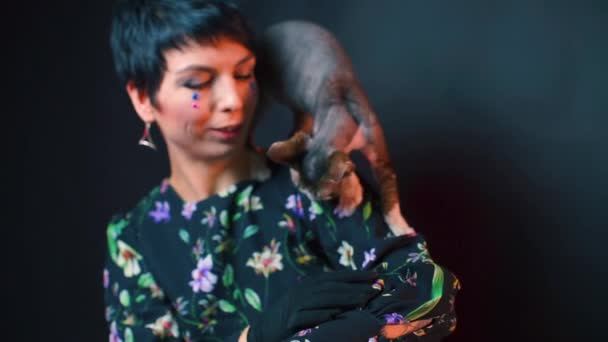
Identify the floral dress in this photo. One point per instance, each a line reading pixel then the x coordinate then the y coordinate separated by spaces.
pixel 201 271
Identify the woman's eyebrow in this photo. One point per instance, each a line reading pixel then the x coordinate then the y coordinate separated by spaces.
pixel 245 59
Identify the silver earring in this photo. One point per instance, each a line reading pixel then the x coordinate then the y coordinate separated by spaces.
pixel 146 138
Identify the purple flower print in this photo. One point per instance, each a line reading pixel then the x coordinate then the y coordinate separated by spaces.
pixel 304 332
pixel 189 208
pixel 294 202
pixel 161 213
pixel 114 337
pixel 369 256
pixel 203 279
pixel 393 318
pixel 197 250
pixel 210 217
pixel 106 278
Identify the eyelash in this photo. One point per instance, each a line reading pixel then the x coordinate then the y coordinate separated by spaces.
pixel 195 85
pixel 191 85
pixel 244 77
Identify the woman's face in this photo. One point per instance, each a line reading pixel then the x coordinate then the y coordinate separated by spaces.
pixel 206 99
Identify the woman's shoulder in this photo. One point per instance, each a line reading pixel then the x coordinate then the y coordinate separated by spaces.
pixel 280 180
pixel 133 217
pixel 270 179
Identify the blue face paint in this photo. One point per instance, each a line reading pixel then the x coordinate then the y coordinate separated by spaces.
pixel 253 86
pixel 195 97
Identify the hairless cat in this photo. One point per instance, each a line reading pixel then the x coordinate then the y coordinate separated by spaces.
pixel 303 66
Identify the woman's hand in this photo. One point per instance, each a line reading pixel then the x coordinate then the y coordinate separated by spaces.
pixel 315 300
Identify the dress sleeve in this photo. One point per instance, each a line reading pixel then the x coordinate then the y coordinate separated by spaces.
pixel 136 309
pixel 415 288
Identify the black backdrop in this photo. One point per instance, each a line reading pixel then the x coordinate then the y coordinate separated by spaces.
pixel 495 114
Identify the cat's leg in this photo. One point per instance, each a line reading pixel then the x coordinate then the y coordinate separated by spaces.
pixel 376 153
pixel 288 152
pixel 386 177
pixel 295 146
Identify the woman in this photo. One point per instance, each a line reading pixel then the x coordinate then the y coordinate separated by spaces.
pixel 226 247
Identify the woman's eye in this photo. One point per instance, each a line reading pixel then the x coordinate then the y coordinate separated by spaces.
pixel 243 76
pixel 198 83
pixel 194 85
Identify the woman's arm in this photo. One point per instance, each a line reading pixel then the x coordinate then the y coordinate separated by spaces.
pixel 417 292
pixel 243 337
pixel 136 308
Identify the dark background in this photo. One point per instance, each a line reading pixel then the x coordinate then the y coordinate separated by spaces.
pixel 495 114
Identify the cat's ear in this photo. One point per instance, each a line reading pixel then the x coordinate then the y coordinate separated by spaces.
pixel 288 151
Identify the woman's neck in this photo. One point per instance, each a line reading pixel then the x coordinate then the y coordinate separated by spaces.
pixel 197 180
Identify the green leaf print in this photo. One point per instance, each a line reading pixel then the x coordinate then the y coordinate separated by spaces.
pixel 250 231
pixel 114 230
pixel 228 277
pixel 253 299
pixel 237 294
pixel 226 306
pixel 129 335
pixel 367 210
pixel 184 235
pixel 243 196
pixel 436 293
pixel 145 280
pixel 125 298
pixel 140 298
pixel 316 208
pixel 224 218
pixel 236 217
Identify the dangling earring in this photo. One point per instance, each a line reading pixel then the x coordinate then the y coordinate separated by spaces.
pixel 146 139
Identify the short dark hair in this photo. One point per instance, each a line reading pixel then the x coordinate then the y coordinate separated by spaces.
pixel 142 30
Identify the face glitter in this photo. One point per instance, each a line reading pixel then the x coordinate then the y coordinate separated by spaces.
pixel 195 97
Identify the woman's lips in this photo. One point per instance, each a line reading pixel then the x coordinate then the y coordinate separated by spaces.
pixel 227 132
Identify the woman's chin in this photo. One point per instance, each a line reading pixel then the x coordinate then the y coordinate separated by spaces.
pixel 218 151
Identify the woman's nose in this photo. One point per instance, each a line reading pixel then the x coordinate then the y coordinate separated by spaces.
pixel 226 95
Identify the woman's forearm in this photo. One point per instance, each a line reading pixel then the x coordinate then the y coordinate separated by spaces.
pixel 243 337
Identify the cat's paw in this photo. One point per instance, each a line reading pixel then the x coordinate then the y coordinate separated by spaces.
pixel 350 196
pixel 394 219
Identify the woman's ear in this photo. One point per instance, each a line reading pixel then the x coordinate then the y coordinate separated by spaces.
pixel 141 102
